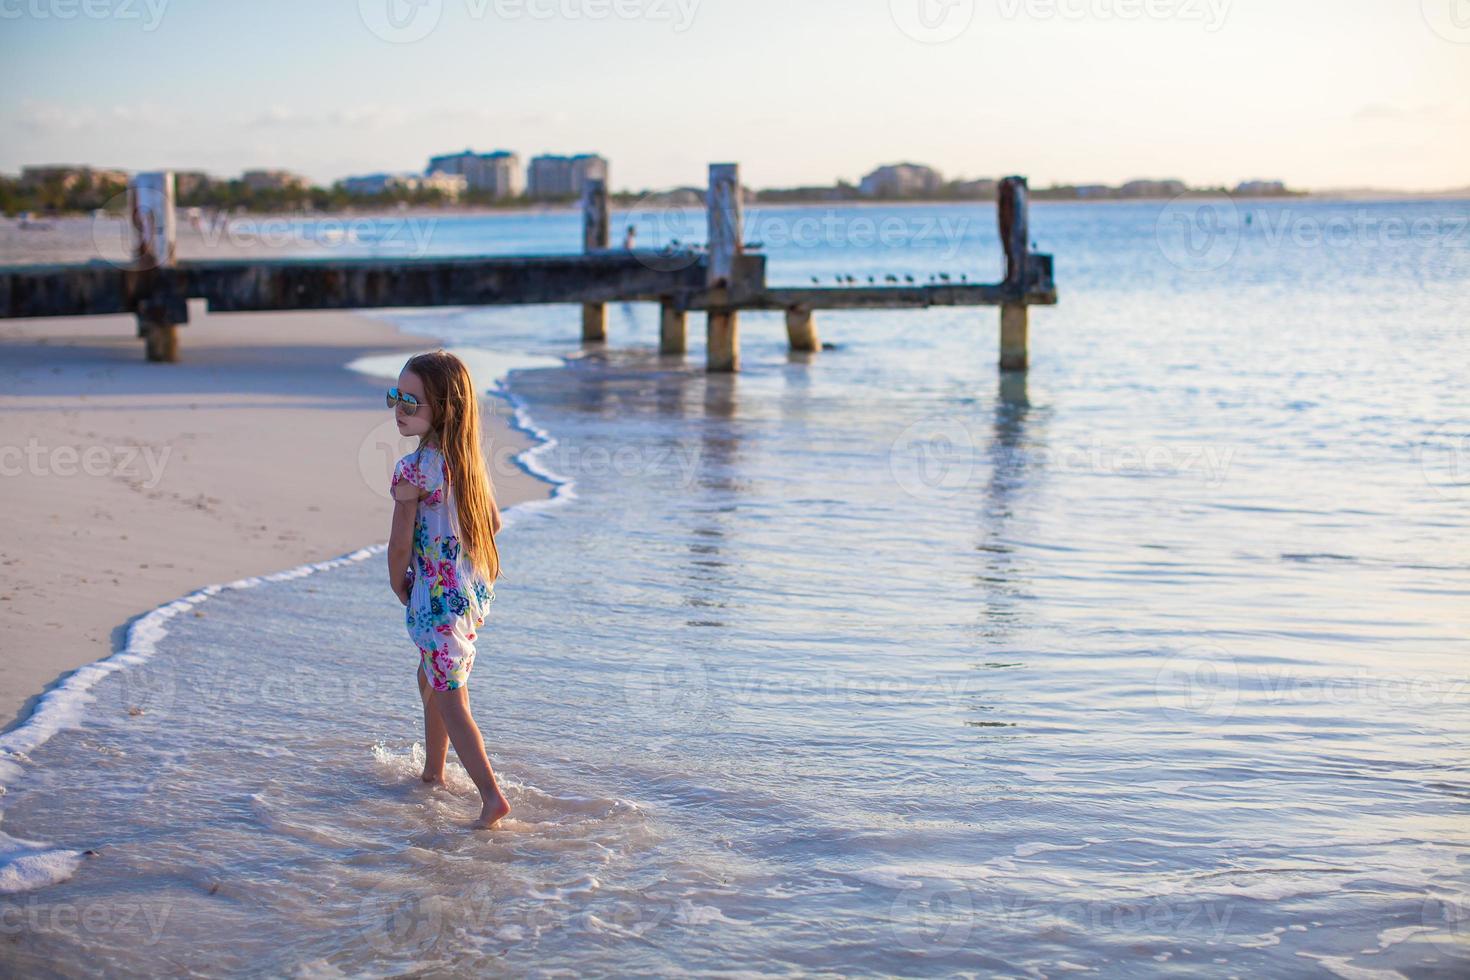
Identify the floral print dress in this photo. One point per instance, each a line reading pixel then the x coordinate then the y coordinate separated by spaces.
pixel 447 600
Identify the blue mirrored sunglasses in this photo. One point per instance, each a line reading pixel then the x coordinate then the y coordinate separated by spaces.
pixel 410 404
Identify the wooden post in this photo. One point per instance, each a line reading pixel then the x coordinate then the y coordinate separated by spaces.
pixel 726 241
pixel 1014 321
pixel 594 237
pixel 1012 209
pixel 801 329
pixel 155 245
pixel 673 329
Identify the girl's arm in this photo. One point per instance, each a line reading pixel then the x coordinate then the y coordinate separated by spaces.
pixel 400 537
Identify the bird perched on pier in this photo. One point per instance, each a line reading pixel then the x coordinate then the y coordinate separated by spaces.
pixel 909 280
pixel 964 277
pixel 870 279
pixel 816 281
pixel 944 276
pixel 890 278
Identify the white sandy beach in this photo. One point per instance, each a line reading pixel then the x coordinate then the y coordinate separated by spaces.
pixel 128 484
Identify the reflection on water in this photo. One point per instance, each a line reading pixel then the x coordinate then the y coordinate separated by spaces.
pixel 1150 659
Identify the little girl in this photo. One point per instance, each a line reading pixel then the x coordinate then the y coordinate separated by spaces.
pixel 442 558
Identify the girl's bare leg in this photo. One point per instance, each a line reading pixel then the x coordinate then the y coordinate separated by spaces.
pixel 454 708
pixel 436 737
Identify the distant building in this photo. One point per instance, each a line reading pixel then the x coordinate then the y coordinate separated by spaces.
pixel 901 180
pixel 499 173
pixel 976 190
pixel 1152 188
pixel 554 176
pixel 1260 188
pixel 274 180
pixel 369 184
pixel 1089 192
pixel 69 177
pixel 450 185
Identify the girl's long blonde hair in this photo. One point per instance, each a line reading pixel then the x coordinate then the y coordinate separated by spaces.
pixel 455 408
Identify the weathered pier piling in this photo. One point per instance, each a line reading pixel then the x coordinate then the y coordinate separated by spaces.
pixel 594 239
pixel 721 280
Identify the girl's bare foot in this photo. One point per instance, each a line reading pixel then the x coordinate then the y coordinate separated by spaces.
pixel 431 778
pixel 491 813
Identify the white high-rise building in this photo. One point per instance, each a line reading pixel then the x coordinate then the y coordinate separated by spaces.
pixel 498 172
pixel 553 176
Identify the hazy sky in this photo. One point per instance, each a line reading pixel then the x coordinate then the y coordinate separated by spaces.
pixel 1320 94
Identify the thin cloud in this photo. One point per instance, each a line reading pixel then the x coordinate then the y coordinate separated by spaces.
pixel 356 117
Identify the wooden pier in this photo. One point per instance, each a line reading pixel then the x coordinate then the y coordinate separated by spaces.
pixel 720 280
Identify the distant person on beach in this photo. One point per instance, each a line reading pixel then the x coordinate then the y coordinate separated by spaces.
pixel 630 237
pixel 442 558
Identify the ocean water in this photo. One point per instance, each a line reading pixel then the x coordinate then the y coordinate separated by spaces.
pixel 874 661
